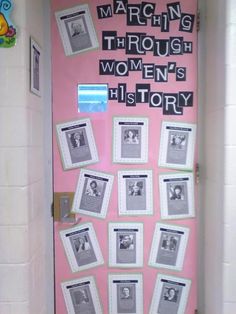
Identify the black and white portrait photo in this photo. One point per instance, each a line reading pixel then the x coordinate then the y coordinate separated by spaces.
pixel 126 301
pixel 84 252
pixel 81 297
pixel 178 141
pixel 81 244
pixel 178 198
pixel 136 188
pixel 169 302
pixel 126 242
pixel 76 27
pixel 130 140
pixel 168 249
pixel 78 145
pixel 77 139
pixel 35 67
pixel 169 242
pixel 131 136
pixel 177 145
pixel 93 188
pixel 176 192
pixel 170 294
pixel 177 195
pixel 131 144
pixel 126 247
pixel 125 293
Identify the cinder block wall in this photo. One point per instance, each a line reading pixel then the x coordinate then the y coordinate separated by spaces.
pixel 218 168
pixel 24 206
pixel 229 260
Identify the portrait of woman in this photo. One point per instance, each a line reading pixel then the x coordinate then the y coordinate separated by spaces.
pixel 131 136
pixel 77 139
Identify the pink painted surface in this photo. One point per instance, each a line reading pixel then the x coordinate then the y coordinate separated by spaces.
pixel 84 68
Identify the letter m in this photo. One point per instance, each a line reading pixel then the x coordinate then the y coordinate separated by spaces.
pixel 104 11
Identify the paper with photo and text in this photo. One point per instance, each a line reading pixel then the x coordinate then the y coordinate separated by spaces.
pixel 76 143
pixel 92 193
pixel 125 293
pixel 169 246
pixel 170 295
pixel 81 296
pixel 81 247
pixel 135 192
pixel 177 199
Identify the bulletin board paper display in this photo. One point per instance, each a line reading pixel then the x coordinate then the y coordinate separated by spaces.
pixel 141 83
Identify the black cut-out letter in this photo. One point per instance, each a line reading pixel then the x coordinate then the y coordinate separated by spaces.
pixel 135 64
pixel 181 74
pixel 122 93
pixel 170 105
pixel 155 100
pixel 161 48
pixel 165 24
pixel 121 68
pixel 187 47
pixel 106 67
pixel 147 43
pixel 113 94
pixel 156 20
pixel 187 23
pixel 104 11
pixel 148 71
pixel 147 9
pixel 161 73
pixel 120 42
pixel 130 100
pixel 109 40
pixel 174 11
pixel 133 15
pixel 120 6
pixel 133 46
pixel 176 45
pixel 142 93
pixel 185 99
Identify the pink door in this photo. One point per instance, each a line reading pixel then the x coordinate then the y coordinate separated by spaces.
pixel 124 116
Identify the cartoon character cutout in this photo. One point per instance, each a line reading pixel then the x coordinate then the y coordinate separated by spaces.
pixel 7 30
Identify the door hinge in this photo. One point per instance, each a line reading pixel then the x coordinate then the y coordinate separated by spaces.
pixel 52 210
pixel 197 171
pixel 198 20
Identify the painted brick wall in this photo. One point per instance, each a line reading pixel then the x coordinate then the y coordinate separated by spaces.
pixel 22 185
pixel 218 169
pixel 229 261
